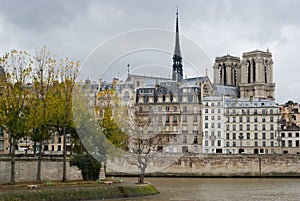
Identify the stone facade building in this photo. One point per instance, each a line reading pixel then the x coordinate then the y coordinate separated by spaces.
pixel 290 140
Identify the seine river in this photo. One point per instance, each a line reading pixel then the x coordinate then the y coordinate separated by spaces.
pixel 218 189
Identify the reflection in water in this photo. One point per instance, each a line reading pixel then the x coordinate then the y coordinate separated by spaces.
pixel 218 189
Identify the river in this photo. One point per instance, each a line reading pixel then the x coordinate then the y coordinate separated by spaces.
pixel 222 189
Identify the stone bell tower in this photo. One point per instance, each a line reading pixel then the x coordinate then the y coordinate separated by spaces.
pixel 227 70
pixel 257 75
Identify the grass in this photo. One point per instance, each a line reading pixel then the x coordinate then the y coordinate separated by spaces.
pixel 72 191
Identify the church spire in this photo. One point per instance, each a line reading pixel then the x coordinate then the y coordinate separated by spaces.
pixel 177 73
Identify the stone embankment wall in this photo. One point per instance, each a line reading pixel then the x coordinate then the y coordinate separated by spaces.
pixel 26 170
pixel 215 165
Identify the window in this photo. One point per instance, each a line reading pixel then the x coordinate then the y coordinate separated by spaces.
pixel 212 125
pixel 184 109
pixel 212 110
pixel 195 139
pixel 227 127
pixel 159 109
pixel 255 119
pixel 264 143
pixel 248 136
pixel 1 132
pixel 272 143
pixel 227 136
pixel 206 117
pixel 241 127
pixel 219 117
pixel 219 143
pixel 206 110
pixel 175 108
pixel 167 119
pixel 255 127
pixel 219 125
pixel 219 134
pixel 233 119
pixel 212 117
pixel 282 135
pixel 219 110
pixel 59 148
pixel 263 136
pixel 271 127
pixel 248 127
pixel 290 143
pixel 256 143
pixel 227 144
pixel 174 118
pixel 206 125
pixel 212 143
pixel 233 136
pixel 195 118
pixel 297 143
pixel 1 145
pixel 175 138
pixel 263 119
pixel 59 140
pixel 184 118
pixel 263 127
pixel 271 119
pixel 241 119
pixel 271 135
pixel 297 134
pixel 234 127
pixel 206 133
pixel 159 119
pixel 184 139
pixel 206 142
pixel 167 108
pixel 255 136
pixel 248 119
pixel 234 144
pixel 290 134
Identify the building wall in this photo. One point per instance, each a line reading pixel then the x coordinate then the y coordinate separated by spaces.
pixel 251 126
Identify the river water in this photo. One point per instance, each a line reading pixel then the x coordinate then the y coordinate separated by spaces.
pixel 222 189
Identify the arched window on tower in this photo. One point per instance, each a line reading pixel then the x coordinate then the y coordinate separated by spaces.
pixel 248 71
pixel 254 70
pixel 225 81
pixel 235 75
pixel 220 73
pixel 266 71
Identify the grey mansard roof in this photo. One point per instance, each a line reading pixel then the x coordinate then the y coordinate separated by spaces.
pixel 227 91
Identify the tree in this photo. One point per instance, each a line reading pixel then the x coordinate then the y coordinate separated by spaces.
pixel 44 78
pixel 14 98
pixel 68 74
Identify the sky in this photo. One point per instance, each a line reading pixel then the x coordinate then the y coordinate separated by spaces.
pixel 79 29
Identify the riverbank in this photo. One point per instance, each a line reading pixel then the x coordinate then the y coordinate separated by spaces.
pixel 75 191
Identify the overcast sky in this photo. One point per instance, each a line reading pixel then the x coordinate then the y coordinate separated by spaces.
pixel 75 28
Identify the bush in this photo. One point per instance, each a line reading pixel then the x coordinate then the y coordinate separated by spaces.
pixel 88 165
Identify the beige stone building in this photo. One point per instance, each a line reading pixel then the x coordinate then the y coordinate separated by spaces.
pixel 290 112
pixel 3 141
pixel 290 140
pixel 251 126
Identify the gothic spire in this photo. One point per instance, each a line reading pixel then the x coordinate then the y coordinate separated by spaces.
pixel 177 59
pixel 177 45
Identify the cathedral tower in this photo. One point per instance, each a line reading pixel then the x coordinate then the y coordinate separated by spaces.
pixel 227 71
pixel 257 75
